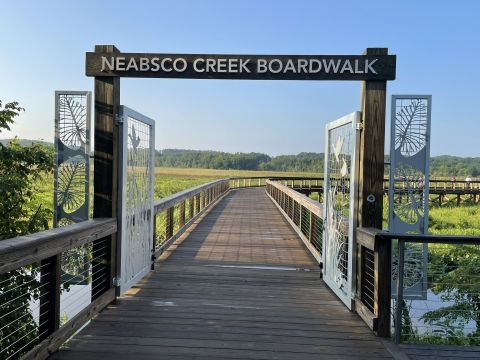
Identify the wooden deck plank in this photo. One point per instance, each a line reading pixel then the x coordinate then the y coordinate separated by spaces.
pixel 239 285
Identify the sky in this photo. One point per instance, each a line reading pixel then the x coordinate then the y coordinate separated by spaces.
pixel 437 43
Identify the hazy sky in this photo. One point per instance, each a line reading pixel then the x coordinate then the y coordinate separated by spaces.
pixel 437 43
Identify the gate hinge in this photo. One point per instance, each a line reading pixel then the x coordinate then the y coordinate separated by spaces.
pixel 359 126
pixel 116 281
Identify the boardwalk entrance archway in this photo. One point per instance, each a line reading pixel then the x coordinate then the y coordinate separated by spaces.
pixel 107 64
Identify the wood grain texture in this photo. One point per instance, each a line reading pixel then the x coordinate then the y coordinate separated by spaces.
pixel 372 144
pixel 106 168
pixel 54 341
pixel 314 206
pixel 238 285
pixel 28 249
pixel 172 200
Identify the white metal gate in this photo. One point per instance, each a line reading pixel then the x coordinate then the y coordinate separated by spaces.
pixel 340 190
pixel 137 150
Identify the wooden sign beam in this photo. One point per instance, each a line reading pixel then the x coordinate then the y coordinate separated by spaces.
pixel 242 67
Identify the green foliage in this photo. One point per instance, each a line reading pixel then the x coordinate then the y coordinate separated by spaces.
pixel 440 166
pixel 454 166
pixel 8 113
pixel 22 171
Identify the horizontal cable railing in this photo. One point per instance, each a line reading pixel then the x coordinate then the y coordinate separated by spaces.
pixel 426 288
pixel 174 214
pixel 304 214
pixel 51 284
pixel 373 283
pixel 446 309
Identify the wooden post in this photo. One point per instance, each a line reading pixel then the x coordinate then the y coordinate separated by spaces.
pixel 372 144
pixel 154 240
pixel 383 285
pixel 191 207
pixel 182 214
pixel 370 186
pixel 50 296
pixel 197 203
pixel 169 223
pixel 106 163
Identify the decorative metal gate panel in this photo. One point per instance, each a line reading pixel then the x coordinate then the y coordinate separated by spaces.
pixel 340 194
pixel 137 149
pixel 72 167
pixel 409 186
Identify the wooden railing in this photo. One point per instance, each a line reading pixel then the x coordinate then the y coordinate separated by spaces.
pixel 260 181
pixel 175 213
pixel 372 300
pixel 304 214
pixel 34 280
pixel 444 306
pixel 53 282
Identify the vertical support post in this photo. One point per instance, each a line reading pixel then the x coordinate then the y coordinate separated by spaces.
pixel 191 207
pixel 182 214
pixel 154 239
pixel 310 226
pixel 383 285
pixel 169 223
pixel 398 312
pixel 372 144
pixel 197 203
pixel 106 170
pixel 50 296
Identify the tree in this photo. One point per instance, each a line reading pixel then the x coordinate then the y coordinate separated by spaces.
pixel 456 270
pixel 21 169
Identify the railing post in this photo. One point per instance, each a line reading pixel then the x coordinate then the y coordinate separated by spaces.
pixel 181 220
pixel 398 310
pixel 383 285
pixel 49 320
pixel 197 203
pixel 191 207
pixel 154 240
pixel 310 227
pixel 169 223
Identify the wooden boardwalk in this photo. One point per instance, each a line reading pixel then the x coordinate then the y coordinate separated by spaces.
pixel 238 285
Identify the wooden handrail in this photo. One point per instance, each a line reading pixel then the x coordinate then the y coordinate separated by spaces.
pixel 31 248
pixel 310 204
pixel 431 239
pixel 172 200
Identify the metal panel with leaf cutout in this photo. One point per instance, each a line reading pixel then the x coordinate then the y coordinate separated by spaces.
pixel 409 182
pixel 136 196
pixel 340 189
pixel 72 145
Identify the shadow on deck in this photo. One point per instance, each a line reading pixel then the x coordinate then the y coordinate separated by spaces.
pixel 238 285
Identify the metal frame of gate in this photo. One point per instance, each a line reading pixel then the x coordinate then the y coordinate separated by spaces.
pixel 136 182
pixel 408 201
pixel 339 221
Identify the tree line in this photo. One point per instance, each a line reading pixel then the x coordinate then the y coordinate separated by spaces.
pixel 444 165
